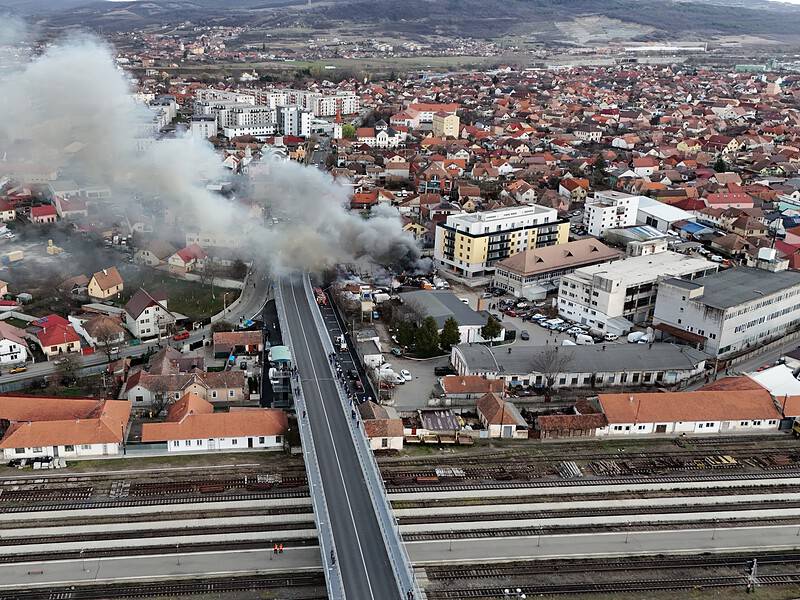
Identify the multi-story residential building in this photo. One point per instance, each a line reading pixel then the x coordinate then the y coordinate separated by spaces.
pixel 13 347
pixel 325 104
pixel 470 244
pixel 609 209
pixel 730 311
pixel 147 315
pixel 612 297
pixel 203 126
pixel 445 124
pixel 531 273
pixel 293 120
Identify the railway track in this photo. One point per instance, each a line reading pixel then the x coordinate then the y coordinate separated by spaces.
pixel 549 567
pixel 9 540
pixel 132 502
pixel 173 589
pixel 615 587
pixel 609 511
pixel 587 482
pixel 544 530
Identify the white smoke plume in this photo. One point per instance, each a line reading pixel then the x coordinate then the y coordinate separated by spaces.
pixel 71 110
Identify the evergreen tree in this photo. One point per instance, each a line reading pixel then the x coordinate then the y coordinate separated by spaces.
pixel 720 166
pixel 406 334
pixel 450 336
pixel 492 329
pixel 427 338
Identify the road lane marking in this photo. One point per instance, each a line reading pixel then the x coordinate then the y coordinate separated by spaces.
pixel 333 444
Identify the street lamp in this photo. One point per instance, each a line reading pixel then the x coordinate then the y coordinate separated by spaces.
pixel 224 303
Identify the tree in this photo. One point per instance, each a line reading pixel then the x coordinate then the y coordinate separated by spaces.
pixel 406 334
pixel 720 166
pixel 450 336
pixel 106 336
pixel 221 326
pixel 551 361
pixel 427 338
pixel 599 171
pixel 492 329
pixel 238 269
pixel 68 366
pixel 159 397
pixel 348 131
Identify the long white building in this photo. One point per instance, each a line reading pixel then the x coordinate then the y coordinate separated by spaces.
pixel 730 311
pixel 613 296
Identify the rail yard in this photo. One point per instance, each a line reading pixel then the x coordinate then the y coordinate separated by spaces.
pixel 583 521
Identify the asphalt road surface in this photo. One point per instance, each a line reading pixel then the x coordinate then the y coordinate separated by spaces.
pixel 360 552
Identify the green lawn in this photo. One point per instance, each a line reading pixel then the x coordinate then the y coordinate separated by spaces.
pixel 189 298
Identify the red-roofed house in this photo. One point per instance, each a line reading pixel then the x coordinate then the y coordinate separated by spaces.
pixel 56 335
pixel 7 212
pixel 44 214
pixel 192 425
pixel 729 200
pixel 187 259
pixel 66 427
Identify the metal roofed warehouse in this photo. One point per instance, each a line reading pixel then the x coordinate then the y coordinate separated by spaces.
pixel 600 365
pixel 443 304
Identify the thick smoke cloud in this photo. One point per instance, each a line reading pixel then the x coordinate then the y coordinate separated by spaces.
pixel 318 232
pixel 71 110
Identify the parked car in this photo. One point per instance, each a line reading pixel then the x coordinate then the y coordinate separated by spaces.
pixel 17 370
pixel 181 335
pixel 398 379
pixel 524 335
pixel 442 371
pixel 610 337
pixel 396 351
pixel 406 374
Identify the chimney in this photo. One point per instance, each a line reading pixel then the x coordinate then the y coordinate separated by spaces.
pixel 105 272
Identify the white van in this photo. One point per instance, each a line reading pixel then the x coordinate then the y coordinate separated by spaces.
pixel 584 340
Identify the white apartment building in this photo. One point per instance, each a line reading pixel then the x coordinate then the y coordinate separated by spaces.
pixel 293 120
pixel 611 297
pixel 470 244
pixel 254 130
pixel 203 126
pixel 320 104
pixel 730 311
pixel 609 209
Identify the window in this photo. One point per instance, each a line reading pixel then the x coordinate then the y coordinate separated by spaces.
pixel 187 442
pixel 261 439
pixel 69 448
pixel 279 439
pixel 709 424
pixel 177 395
pixel 231 393
pixel 757 422
pixel 744 423
pixel 213 393
pixel 384 443
pixel 36 449
pixel 175 443
pixel 198 442
pixel 86 446
pixel 19 450
pixel 139 398
pixel 234 442
pixel 641 427
pixel 617 427
pixel 772 422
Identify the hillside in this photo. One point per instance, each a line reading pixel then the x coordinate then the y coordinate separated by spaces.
pixel 545 19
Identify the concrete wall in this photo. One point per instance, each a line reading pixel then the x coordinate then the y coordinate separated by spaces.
pixel 231 443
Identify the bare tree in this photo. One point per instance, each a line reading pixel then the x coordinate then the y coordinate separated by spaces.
pixel 106 336
pixel 550 361
pixel 160 398
pixel 68 366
